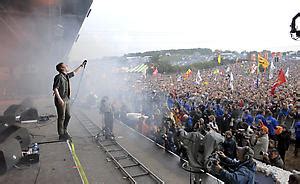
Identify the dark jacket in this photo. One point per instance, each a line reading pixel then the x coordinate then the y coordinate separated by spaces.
pixel 244 173
pixel 229 147
pixel 62 83
pixel 278 162
pixel 284 140
pixel 297 130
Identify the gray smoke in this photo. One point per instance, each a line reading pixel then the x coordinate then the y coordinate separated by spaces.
pixel 35 35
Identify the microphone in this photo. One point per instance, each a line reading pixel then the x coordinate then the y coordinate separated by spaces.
pixel 84 63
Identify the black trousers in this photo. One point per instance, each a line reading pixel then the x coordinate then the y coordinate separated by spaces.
pixel 297 147
pixel 63 117
pixel 109 122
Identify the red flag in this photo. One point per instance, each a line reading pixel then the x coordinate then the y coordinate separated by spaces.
pixel 155 71
pixel 281 79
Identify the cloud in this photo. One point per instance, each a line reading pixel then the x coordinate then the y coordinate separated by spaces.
pixel 132 26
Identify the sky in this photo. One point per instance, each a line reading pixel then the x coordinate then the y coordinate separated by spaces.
pixel 117 27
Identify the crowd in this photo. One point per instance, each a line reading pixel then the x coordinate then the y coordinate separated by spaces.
pixel 240 108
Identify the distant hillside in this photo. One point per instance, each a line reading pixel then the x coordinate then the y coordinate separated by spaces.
pixel 200 51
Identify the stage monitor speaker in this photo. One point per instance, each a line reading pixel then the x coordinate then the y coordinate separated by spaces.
pixel 13 110
pixel 19 133
pixel 10 154
pixel 29 114
pixel 9 120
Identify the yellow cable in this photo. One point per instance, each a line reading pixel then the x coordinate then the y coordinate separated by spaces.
pixel 78 164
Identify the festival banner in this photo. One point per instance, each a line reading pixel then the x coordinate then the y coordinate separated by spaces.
pixel 198 78
pixel 280 80
pixel 263 61
pixel 219 59
pixel 187 74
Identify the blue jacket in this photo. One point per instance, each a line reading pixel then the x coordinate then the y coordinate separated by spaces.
pixel 243 174
pixel 271 123
pixel 284 112
pixel 260 117
pixel 189 123
pixel 248 119
pixel 219 111
pixel 187 107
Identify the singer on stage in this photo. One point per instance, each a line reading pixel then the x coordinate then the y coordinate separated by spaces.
pixel 62 91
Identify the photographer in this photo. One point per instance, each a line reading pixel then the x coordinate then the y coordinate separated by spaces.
pixel 107 111
pixel 262 142
pixel 243 170
pixel 273 158
pixel 229 145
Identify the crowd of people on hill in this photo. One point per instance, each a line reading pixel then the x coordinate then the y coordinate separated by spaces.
pixel 232 100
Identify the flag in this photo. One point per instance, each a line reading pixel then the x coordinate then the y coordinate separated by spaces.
pixel 263 61
pixel 257 82
pixel 155 72
pixel 179 78
pixel 187 74
pixel 198 77
pixel 280 80
pixel 287 73
pixel 219 59
pixel 228 69
pixel 231 81
pixel 144 73
pixel 272 68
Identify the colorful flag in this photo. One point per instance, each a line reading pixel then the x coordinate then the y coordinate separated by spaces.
pixel 280 80
pixel 198 78
pixel 257 82
pixel 187 74
pixel 263 61
pixel 231 81
pixel 272 68
pixel 179 78
pixel 287 73
pixel 219 59
pixel 155 72
pixel 228 69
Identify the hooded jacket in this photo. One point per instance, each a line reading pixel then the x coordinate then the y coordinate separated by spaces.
pixel 244 172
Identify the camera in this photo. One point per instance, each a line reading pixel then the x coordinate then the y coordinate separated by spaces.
pixel 212 160
pixel 264 153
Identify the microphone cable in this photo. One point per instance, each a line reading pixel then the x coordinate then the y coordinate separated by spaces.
pixel 79 84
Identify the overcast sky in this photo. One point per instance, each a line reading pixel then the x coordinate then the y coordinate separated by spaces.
pixel 117 27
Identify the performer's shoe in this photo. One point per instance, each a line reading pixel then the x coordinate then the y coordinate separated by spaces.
pixel 62 137
pixel 68 136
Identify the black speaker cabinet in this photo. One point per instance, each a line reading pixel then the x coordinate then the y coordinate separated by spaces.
pixel 29 114
pixel 16 132
pixel 10 154
pixel 8 120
